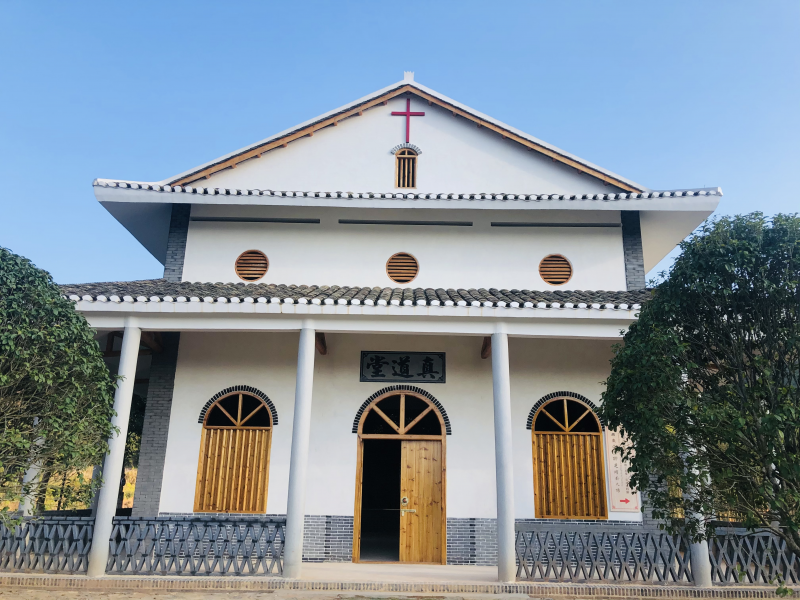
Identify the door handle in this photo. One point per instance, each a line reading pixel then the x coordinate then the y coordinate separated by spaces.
pixel 405 510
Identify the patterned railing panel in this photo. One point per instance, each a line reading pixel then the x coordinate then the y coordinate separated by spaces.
pixel 197 546
pixel 601 554
pixel 755 558
pixel 47 545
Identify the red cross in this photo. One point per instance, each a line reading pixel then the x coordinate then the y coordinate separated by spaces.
pixel 408 114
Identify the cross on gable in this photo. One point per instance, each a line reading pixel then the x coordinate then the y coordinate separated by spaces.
pixel 408 114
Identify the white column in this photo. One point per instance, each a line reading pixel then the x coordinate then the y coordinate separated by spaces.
pixel 504 466
pixel 298 466
pixel 112 467
pixel 701 564
pixel 26 503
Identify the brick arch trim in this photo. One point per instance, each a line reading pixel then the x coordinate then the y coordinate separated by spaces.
pixel 403 388
pixel 406 145
pixel 545 399
pixel 240 388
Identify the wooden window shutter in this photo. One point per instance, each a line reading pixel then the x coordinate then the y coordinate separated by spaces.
pixel 555 269
pixel 406 168
pixel 402 268
pixel 568 463
pixel 252 265
pixel 233 469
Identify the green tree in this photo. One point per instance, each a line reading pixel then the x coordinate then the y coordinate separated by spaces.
pixel 705 383
pixel 56 394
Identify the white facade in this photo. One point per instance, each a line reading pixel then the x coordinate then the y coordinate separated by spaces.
pixel 456 156
pixel 450 256
pixel 210 362
pixel 490 203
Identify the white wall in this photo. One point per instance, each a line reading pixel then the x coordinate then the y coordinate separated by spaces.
pixel 210 362
pixel 331 253
pixel 457 157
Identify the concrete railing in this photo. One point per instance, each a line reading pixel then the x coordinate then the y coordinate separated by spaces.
pixel 207 545
pixel 599 553
pixel 741 558
pixel 47 545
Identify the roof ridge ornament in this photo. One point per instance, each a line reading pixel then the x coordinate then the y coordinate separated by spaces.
pixel 408 75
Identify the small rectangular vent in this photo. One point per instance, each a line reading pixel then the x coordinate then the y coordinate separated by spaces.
pixel 387 222
pixel 253 220
pixel 516 224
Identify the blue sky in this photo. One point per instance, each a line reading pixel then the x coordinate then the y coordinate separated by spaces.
pixel 669 94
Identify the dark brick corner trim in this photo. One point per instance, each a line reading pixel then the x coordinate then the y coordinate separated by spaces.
pixel 632 250
pixel 176 242
pixel 240 388
pixel 403 388
pixel 545 399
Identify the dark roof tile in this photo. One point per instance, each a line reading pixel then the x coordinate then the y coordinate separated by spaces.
pixel 161 288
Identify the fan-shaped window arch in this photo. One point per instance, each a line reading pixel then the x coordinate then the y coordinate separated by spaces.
pixel 402 413
pixel 568 464
pixel 233 468
pixel 406 168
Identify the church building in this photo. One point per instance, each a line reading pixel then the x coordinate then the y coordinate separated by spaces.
pixel 390 325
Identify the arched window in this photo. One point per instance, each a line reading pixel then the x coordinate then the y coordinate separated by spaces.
pixel 406 168
pixel 568 466
pixel 233 469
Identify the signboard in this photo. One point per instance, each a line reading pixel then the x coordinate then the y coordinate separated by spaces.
pixel 417 367
pixel 623 498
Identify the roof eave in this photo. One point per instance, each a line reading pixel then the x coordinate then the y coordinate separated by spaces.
pixel 701 200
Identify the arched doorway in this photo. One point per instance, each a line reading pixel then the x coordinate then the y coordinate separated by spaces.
pixel 568 465
pixel 400 481
pixel 233 468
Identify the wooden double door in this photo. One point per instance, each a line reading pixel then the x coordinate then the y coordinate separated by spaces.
pixel 400 485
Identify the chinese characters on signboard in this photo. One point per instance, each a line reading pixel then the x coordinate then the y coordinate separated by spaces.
pixel 417 367
pixel 623 498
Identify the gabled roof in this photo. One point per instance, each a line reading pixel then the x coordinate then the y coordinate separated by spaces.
pixel 380 97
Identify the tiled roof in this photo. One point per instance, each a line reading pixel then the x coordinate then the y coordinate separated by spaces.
pixel 204 191
pixel 160 290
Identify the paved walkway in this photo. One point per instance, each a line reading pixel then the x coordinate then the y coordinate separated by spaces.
pixel 399 573
pixel 347 581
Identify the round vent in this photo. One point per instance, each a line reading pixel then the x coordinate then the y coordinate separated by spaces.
pixel 402 268
pixel 252 265
pixel 555 269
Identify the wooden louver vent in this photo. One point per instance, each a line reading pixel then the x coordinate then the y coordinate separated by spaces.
pixel 252 265
pixel 402 268
pixel 555 269
pixel 406 168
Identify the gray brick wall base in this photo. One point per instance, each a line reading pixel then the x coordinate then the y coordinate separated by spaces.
pixel 471 541
pixel 147 494
pixel 632 250
pixel 328 538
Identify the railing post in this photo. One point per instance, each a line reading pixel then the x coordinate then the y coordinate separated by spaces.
pixel 112 469
pixel 298 464
pixel 504 466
